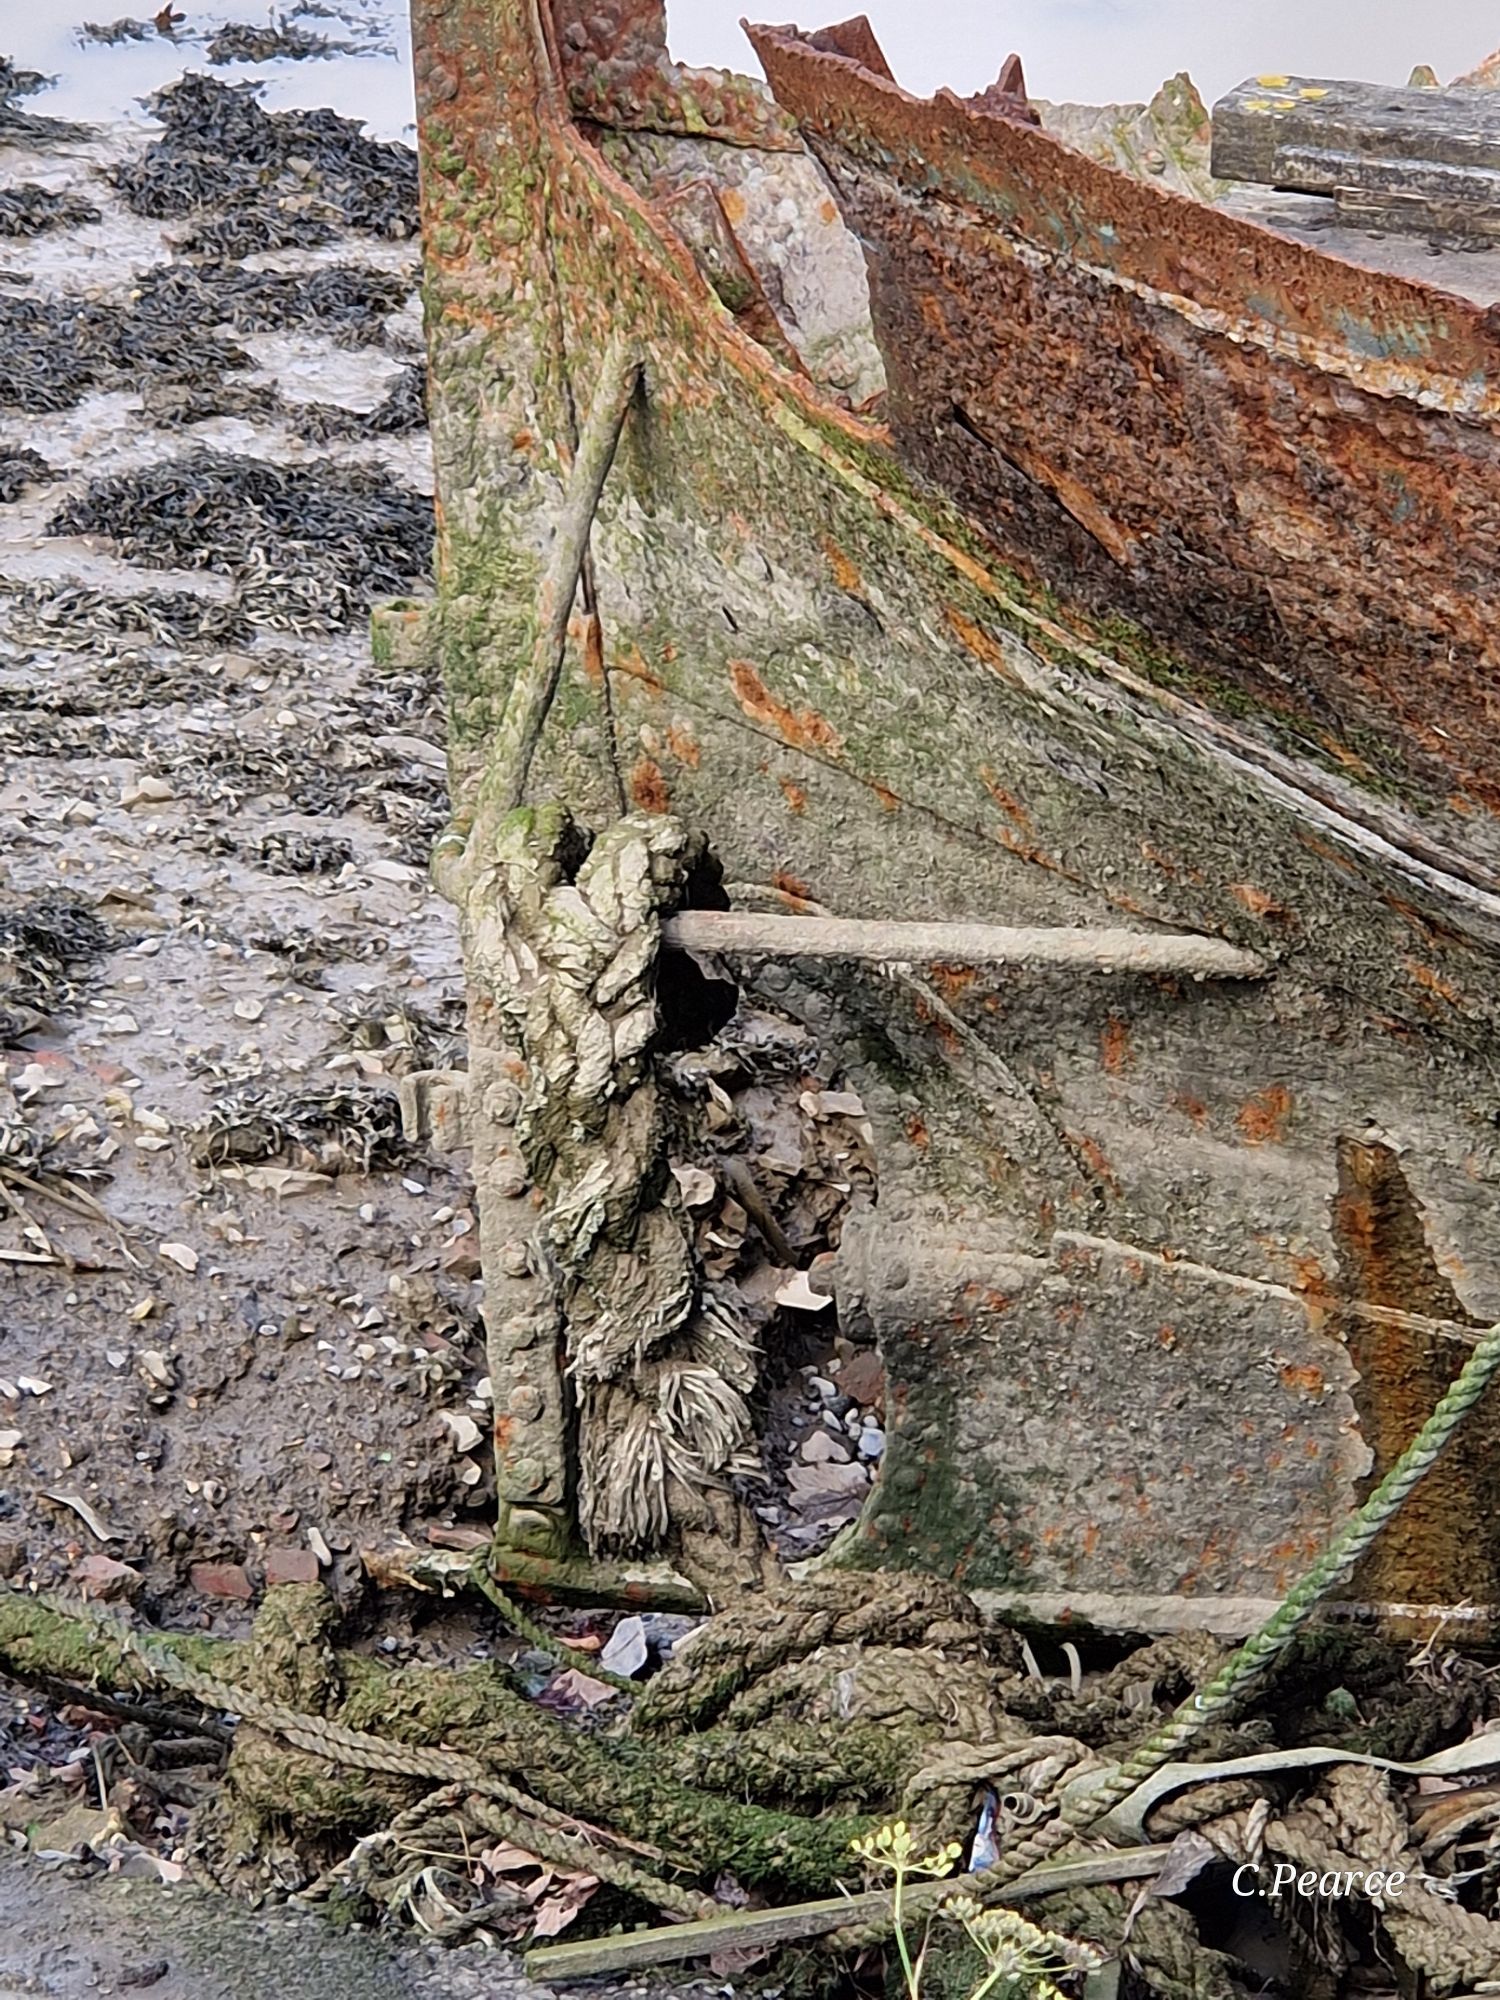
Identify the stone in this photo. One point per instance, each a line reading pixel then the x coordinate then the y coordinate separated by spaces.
pixel 291 1566
pixel 821 1449
pixel 221 1580
pixel 863 1378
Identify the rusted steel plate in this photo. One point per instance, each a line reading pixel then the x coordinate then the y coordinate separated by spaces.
pixel 618 73
pixel 1282 465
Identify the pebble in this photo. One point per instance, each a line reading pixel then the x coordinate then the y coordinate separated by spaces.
pixel 871 1443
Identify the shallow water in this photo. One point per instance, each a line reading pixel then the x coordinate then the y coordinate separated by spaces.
pixel 98 83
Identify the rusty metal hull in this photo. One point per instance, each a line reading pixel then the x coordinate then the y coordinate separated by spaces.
pixel 1164 1273
pixel 1282 465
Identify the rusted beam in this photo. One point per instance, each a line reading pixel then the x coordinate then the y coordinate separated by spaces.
pixel 1087 950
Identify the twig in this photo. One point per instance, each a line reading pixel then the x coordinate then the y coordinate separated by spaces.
pixel 756 1930
pixel 1086 949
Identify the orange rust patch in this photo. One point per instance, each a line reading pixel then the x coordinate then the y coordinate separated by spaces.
pixel 1256 901
pixel 790 885
pixel 1114 1046
pixel 1157 859
pixel 887 797
pixel 684 745
pixel 732 202
pixel 796 798
pixel 648 787
pixel 523 440
pixel 827 210
pixel 1262 1118
pixel 1303 1378
pixel 980 644
pixel 803 728
pixel 1166 1336
pixel 593 649
pixel 1008 803
pixel 1433 982
pixel 916 1131
pixel 1192 1108
pixel 951 980
pixel 1097 1159
pixel 845 574
pixel 629 662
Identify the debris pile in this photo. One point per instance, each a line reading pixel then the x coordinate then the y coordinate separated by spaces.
pixel 771 1156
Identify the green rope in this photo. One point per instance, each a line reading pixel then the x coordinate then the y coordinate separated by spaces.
pixel 544 1641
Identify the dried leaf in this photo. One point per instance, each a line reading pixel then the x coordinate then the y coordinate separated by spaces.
pixel 557 1912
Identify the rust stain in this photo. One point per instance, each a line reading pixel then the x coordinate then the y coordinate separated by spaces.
pixel 980 644
pixel 1433 982
pixel 629 661
pixel 1008 803
pixel 1097 1159
pixel 795 796
pixel 1257 901
pixel 790 886
pixel 1115 1051
pixel 593 649
pixel 1303 1379
pixel 684 746
pixel 802 728
pixel 916 1131
pixel 1192 1108
pixel 845 574
pixel 952 981
pixel 648 788
pixel 1441 1548
pixel 889 802
pixel 1262 1118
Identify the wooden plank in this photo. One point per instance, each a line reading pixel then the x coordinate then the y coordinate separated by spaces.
pixel 758 1930
pixel 1320 136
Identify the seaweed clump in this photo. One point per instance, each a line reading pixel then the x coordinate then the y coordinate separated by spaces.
pixel 327 1129
pixel 24 127
pixel 350 303
pixel 310 546
pixel 241 42
pixel 251 180
pixel 21 467
pixel 44 945
pixel 53 352
pixel 28 209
